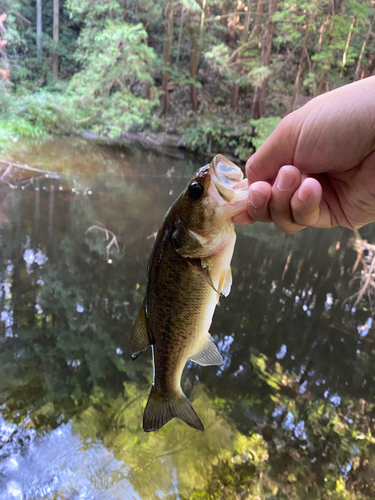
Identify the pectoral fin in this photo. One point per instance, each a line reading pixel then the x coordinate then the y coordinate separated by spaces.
pixel 208 354
pixel 205 270
pixel 226 283
pixel 139 339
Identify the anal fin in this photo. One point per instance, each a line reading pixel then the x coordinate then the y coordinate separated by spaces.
pixel 161 408
pixel 208 354
pixel 139 338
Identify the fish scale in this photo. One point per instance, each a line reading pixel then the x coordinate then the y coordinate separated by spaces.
pixel 188 270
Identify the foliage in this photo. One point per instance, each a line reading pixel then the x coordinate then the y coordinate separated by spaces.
pixel 211 135
pixel 36 115
pixel 262 129
pixel 112 64
pixel 116 61
pixel 20 128
pixel 26 69
pixel 206 133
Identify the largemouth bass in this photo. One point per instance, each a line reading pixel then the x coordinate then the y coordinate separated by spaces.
pixel 188 270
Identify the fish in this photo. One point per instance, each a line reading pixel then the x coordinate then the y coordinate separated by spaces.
pixel 188 270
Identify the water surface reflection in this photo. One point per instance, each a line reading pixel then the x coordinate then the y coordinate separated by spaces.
pixel 290 413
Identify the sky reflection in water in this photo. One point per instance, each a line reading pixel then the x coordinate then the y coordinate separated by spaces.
pixel 290 413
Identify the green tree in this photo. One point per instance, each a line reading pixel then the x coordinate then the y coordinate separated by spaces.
pixel 116 63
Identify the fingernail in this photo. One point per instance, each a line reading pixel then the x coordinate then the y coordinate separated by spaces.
pixel 304 193
pixel 285 180
pixel 257 199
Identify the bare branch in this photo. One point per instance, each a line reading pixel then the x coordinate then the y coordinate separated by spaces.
pixel 217 18
pixel 86 119
pixel 234 54
pixel 108 233
pixel 8 175
pixel 21 17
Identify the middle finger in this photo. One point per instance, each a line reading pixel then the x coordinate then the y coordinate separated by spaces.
pixel 287 182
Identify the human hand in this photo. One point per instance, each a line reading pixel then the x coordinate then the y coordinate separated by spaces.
pixel 318 166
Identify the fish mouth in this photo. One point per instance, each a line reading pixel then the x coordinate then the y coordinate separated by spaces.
pixel 225 176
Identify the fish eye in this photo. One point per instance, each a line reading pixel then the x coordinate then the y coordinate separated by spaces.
pixel 195 190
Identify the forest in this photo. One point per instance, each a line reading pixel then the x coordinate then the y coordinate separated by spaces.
pixel 217 76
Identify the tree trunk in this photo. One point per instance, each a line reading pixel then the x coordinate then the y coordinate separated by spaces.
pixel 235 93
pixel 363 47
pixel 144 22
pixel 56 7
pixel 224 20
pixel 5 70
pixel 258 19
pixel 245 33
pixel 147 84
pixel 39 29
pixel 329 19
pixel 300 67
pixel 347 45
pixel 193 67
pixel 323 82
pixel 257 110
pixel 371 68
pixel 167 49
pixel 180 36
pixel 201 35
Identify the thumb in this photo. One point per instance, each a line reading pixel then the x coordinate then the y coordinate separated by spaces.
pixel 276 151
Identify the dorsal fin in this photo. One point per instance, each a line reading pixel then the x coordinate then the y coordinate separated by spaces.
pixel 208 354
pixel 139 338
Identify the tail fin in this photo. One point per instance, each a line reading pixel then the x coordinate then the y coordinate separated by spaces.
pixel 160 409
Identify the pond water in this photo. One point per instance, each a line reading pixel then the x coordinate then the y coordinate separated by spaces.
pixel 290 413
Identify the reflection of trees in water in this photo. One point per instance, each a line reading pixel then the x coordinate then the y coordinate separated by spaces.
pixel 289 415
pixel 363 274
pixel 300 374
pixel 70 315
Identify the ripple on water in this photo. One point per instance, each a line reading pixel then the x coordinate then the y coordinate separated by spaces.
pixel 58 462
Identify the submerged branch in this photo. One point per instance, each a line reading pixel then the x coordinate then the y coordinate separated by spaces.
pixel 108 233
pixel 24 166
pixel 9 177
pixel 366 276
